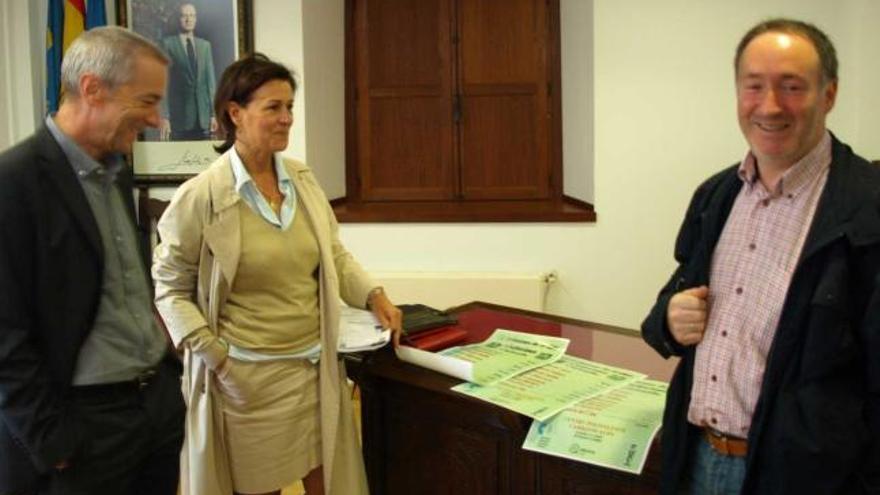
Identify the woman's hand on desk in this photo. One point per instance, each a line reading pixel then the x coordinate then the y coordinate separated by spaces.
pixel 386 312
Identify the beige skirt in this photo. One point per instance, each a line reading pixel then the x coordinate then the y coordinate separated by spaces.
pixel 271 421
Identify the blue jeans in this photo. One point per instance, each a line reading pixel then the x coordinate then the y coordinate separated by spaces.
pixel 711 473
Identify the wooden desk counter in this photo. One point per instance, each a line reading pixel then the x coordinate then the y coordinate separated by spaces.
pixel 420 438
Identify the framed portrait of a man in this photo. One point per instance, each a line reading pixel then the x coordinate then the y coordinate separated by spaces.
pixel 201 38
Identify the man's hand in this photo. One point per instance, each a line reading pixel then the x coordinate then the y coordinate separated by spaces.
pixel 686 315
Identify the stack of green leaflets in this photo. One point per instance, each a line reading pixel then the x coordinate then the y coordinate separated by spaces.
pixel 543 392
pixel 585 411
pixel 507 353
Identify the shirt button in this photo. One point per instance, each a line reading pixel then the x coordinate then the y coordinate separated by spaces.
pixel 714 421
pixel 724 333
pixel 739 290
pixel 765 202
pixel 752 246
pixel 714 378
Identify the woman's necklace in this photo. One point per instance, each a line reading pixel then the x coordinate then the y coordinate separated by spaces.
pixel 273 199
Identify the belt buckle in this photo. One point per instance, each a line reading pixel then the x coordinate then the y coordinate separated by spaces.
pixel 721 442
pixel 722 439
pixel 143 379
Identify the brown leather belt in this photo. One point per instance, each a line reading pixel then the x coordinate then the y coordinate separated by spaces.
pixel 726 445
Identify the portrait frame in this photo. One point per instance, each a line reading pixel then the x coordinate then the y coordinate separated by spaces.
pixel 159 159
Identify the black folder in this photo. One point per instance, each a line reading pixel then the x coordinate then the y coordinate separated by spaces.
pixel 418 317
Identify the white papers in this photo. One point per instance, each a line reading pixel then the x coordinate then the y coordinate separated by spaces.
pixel 454 367
pixel 359 330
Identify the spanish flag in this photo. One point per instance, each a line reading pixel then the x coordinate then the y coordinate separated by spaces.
pixel 67 19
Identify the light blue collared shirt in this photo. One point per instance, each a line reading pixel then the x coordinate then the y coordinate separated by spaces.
pixel 247 189
pixel 125 339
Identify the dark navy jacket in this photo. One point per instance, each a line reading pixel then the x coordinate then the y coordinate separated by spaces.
pixel 816 427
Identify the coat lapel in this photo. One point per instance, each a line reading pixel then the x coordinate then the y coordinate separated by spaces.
pixel 60 173
pixel 223 234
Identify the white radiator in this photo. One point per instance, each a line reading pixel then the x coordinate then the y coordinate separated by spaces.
pixel 445 289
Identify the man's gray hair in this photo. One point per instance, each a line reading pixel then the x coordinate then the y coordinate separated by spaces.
pixel 108 52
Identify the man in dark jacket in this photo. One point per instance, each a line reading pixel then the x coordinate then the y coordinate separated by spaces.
pixel 90 399
pixel 775 305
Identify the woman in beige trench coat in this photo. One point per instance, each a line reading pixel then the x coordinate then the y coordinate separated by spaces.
pixel 195 270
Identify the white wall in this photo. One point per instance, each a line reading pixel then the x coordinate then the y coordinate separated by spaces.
pixel 18 114
pixel 278 33
pixel 663 113
pixel 576 33
pixel 868 83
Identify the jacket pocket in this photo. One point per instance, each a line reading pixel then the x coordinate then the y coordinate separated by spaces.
pixel 830 343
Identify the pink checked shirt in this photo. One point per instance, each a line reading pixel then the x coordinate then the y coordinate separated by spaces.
pixel 751 269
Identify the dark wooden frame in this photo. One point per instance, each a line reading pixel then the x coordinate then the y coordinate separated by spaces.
pixel 559 208
pixel 245 21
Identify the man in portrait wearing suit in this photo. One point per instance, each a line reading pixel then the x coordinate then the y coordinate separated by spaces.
pixel 188 113
pixel 90 398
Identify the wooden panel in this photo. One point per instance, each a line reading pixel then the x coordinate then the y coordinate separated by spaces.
pixel 410 146
pixel 448 457
pixel 405 40
pixel 562 477
pixel 504 132
pixel 503 148
pixel 403 99
pixel 502 40
pixel 434 443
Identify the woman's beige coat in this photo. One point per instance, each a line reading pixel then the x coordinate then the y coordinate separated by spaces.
pixel 194 268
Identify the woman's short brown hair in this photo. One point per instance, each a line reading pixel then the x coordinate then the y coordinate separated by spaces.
pixel 238 83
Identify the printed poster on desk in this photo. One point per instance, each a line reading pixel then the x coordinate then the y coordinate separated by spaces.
pixel 505 354
pixel 614 430
pixel 543 392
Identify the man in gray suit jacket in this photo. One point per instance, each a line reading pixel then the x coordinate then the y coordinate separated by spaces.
pixel 187 115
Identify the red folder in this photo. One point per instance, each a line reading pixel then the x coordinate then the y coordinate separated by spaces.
pixel 436 339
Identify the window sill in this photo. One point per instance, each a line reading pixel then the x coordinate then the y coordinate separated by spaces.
pixel 566 210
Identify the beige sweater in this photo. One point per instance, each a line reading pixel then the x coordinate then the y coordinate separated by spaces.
pixel 273 305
